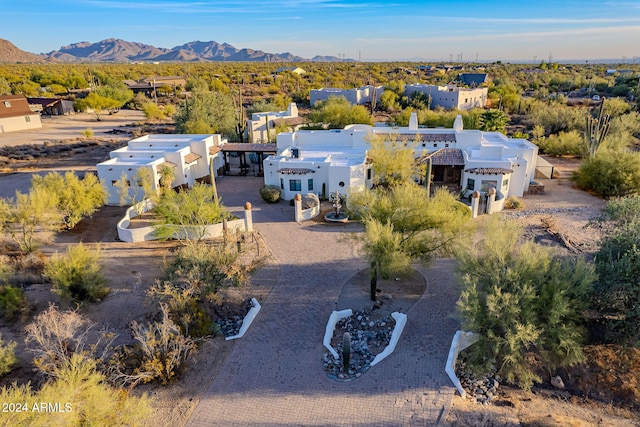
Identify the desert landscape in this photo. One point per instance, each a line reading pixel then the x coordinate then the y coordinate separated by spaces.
pixel 561 217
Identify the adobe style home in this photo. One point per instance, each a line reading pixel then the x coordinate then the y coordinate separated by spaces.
pixel 190 157
pixel 16 115
pixel 327 161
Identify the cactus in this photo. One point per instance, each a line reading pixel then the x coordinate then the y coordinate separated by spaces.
pixel 346 351
pixel 596 130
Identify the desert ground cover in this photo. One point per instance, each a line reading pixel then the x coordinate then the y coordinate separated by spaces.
pixel 561 218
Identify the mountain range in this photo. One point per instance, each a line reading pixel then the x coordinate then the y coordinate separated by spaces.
pixel 117 50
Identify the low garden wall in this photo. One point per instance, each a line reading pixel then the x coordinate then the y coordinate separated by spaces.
pixel 142 234
pixel 248 319
pixel 461 340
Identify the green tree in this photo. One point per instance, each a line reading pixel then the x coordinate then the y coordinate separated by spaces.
pixel 95 104
pixel 23 216
pixel 186 214
pixel 336 112
pixel 5 87
pixel 404 225
pixel 521 298
pixel 494 121
pixel 207 112
pixel 393 160
pixel 77 198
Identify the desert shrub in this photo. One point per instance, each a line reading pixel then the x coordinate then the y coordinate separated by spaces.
pixel 87 133
pixel 522 299
pixel 76 198
pixel 513 202
pixel 270 193
pixel 163 349
pixel 7 356
pixel 83 398
pixel 78 274
pixel 191 281
pixel 564 144
pixel 12 301
pixel 186 214
pixel 27 269
pixel 610 174
pixel 5 269
pixel 616 293
pixel 58 335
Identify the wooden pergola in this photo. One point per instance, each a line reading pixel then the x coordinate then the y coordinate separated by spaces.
pixel 261 150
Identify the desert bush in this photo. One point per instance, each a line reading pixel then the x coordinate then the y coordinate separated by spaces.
pixel 75 198
pixel 616 293
pixel 7 356
pixel 520 300
pixel 191 281
pixel 87 133
pixel 270 193
pixel 564 144
pixel 77 396
pixel 12 301
pixel 163 347
pixel 610 174
pixel 5 269
pixel 186 214
pixel 27 269
pixel 58 335
pixel 513 202
pixel 78 274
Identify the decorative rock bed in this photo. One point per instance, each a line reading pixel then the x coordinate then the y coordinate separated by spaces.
pixel 481 388
pixel 370 336
pixel 235 325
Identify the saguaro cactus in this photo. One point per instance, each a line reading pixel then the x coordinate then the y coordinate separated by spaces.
pixel 346 351
pixel 596 130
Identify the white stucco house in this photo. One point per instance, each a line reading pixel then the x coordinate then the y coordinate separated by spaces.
pixel 358 96
pixel 326 161
pixel 189 155
pixel 451 97
pixel 261 124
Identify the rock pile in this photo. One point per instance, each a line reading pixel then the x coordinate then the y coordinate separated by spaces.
pixel 369 336
pixel 542 211
pixel 230 324
pixel 481 388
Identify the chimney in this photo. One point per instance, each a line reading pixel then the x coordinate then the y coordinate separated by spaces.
pixel 413 121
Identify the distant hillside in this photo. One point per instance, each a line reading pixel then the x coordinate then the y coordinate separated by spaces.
pixel 10 53
pixel 117 50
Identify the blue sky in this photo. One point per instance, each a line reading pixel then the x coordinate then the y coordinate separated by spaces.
pixel 367 29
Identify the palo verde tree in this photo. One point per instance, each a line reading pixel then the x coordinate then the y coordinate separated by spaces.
pixel 207 112
pixel 520 297
pixel 76 198
pixel 336 113
pixel 186 214
pixel 27 214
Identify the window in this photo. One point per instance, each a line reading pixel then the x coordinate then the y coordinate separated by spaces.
pixel 310 184
pixel 27 119
pixel 370 172
pixel 281 184
pixel 505 183
pixel 7 104
pixel 486 184
pixel 295 185
pixel 471 183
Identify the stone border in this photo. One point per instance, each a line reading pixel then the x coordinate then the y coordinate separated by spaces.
pixel 331 326
pixel 248 319
pixel 401 321
pixel 460 341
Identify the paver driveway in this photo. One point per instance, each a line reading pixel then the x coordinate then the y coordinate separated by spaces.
pixel 274 375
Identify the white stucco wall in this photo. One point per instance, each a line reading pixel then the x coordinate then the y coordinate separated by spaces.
pixel 13 124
